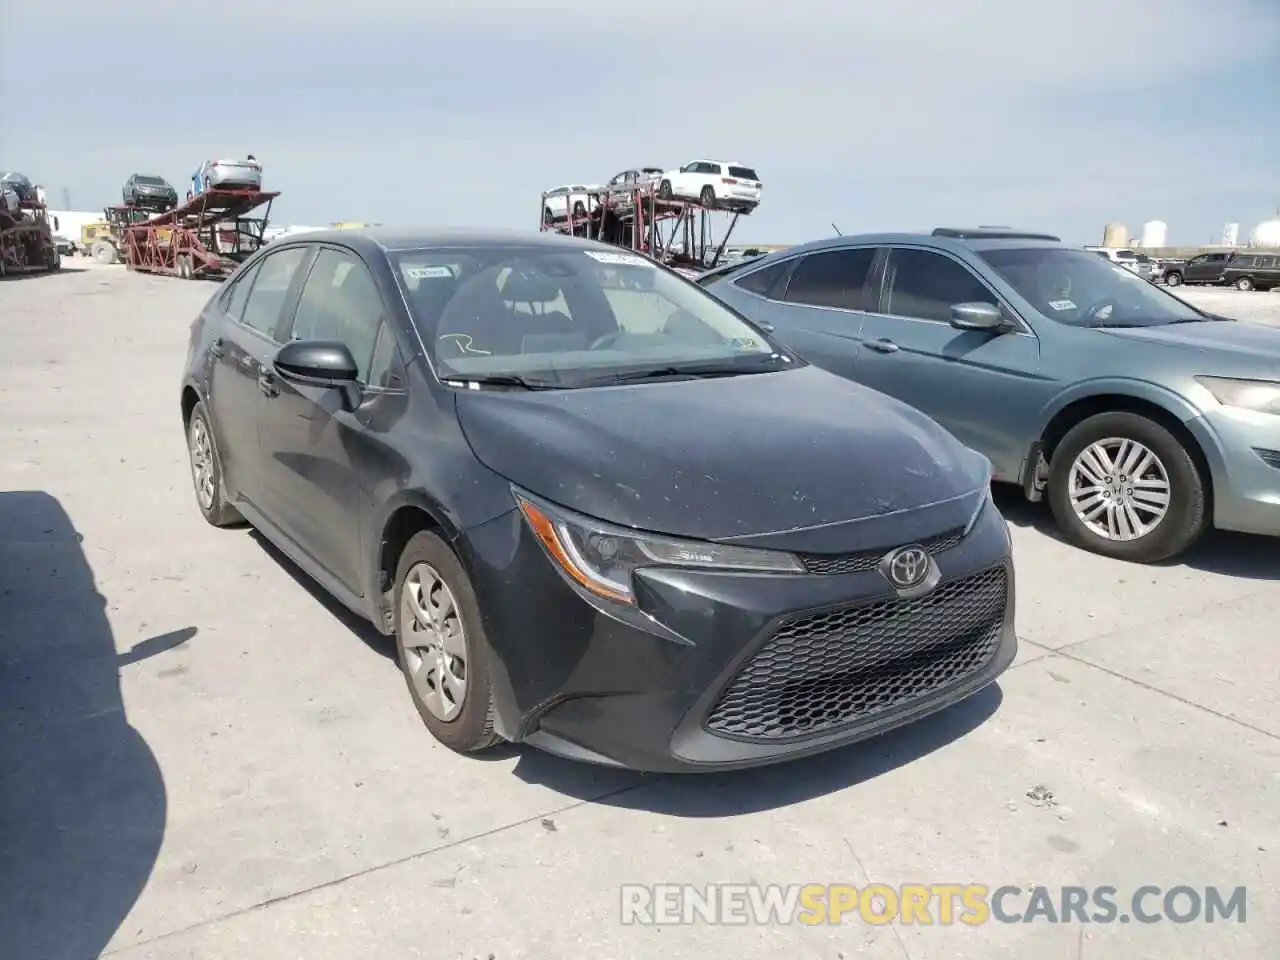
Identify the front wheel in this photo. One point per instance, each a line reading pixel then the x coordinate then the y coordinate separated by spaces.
pixel 1173 279
pixel 441 645
pixel 1123 486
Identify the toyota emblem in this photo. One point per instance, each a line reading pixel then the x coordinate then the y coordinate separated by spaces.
pixel 907 567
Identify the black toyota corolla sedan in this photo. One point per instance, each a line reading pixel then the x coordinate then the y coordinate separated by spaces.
pixel 600 512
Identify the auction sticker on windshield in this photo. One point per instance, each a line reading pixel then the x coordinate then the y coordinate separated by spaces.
pixel 428 273
pixel 1062 304
pixel 618 259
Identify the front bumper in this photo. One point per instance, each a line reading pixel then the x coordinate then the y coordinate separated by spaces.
pixel 1243 450
pixel 721 670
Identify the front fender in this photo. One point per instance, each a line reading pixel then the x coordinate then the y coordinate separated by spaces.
pixel 1162 397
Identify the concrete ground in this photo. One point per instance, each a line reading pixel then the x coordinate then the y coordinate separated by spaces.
pixel 202 757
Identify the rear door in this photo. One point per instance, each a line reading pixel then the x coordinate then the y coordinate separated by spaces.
pixel 322 448
pixel 251 310
pixel 983 387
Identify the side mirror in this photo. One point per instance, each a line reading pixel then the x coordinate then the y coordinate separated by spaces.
pixel 977 316
pixel 319 363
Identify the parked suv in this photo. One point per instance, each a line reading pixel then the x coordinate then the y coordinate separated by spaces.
pixel 1253 271
pixel 1141 418
pixel 1131 260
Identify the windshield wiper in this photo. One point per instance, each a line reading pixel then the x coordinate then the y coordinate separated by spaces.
pixel 502 380
pixel 699 371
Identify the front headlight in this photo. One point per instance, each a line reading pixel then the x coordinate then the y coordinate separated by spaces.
pixel 1260 396
pixel 602 558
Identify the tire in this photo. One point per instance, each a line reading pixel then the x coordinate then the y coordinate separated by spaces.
pixel 579 209
pixel 1245 284
pixel 707 197
pixel 213 500
pixel 664 190
pixel 1173 279
pixel 104 252
pixel 1186 516
pixel 470 729
pixel 548 216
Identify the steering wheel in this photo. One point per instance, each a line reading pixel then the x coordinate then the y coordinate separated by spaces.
pixel 608 340
pixel 1093 310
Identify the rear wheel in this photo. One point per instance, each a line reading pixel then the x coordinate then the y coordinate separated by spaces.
pixel 441 645
pixel 1123 486
pixel 708 197
pixel 1244 283
pixel 206 471
pixel 104 252
pixel 664 190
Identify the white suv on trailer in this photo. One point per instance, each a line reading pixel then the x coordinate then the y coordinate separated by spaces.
pixel 558 202
pixel 715 184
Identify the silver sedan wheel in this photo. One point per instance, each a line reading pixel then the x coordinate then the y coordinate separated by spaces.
pixel 1119 489
pixel 202 466
pixel 433 642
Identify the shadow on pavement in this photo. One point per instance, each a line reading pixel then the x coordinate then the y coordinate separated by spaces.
pixel 762 788
pixel 362 628
pixel 65 270
pixel 82 800
pixel 1218 551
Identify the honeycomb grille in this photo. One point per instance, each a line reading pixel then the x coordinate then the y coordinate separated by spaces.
pixel 820 671
pixel 832 564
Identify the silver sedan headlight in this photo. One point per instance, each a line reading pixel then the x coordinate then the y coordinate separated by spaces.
pixel 1260 396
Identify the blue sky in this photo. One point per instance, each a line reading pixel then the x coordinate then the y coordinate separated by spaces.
pixel 1058 116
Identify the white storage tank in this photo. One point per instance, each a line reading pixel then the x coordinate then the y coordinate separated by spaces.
pixel 1155 233
pixel 1115 235
pixel 1267 233
pixel 1231 235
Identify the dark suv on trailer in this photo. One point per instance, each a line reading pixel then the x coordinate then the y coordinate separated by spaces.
pixel 150 193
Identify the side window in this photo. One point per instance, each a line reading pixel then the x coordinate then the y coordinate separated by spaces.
pixel 926 285
pixel 271 289
pixel 233 303
pixel 833 278
pixel 340 302
pixel 762 282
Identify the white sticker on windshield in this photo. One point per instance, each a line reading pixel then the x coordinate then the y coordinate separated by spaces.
pixel 1062 304
pixel 620 259
pixel 428 273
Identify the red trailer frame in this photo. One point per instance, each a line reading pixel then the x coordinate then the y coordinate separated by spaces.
pixel 26 241
pixel 676 232
pixel 185 241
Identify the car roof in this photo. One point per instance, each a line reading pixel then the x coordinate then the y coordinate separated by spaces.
pixel 392 239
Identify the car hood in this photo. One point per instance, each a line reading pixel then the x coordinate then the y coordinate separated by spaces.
pixel 801 459
pixel 1239 338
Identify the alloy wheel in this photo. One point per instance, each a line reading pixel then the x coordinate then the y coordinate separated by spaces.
pixel 433 642
pixel 1119 489
pixel 202 464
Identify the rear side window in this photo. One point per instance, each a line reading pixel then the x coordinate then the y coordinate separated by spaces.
pixel 234 302
pixel 762 282
pixel 743 173
pixel 1245 262
pixel 833 278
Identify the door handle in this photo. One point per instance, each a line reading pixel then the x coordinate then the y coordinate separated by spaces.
pixel 216 349
pixel 267 382
pixel 881 346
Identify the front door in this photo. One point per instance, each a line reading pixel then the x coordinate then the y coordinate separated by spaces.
pixel 1206 268
pixel 985 388
pixel 320 444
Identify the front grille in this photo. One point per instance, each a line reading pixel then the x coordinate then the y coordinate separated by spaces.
pixel 820 671
pixel 830 564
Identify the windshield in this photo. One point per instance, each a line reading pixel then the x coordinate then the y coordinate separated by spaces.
pixel 570 316
pixel 1075 287
pixel 150 181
